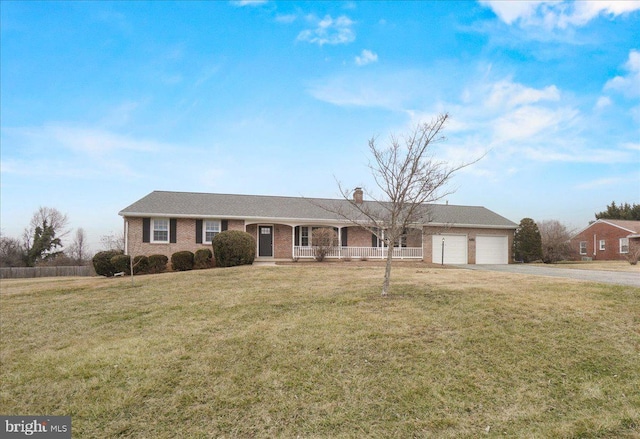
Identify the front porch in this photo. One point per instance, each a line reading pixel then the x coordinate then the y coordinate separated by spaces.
pixel 359 253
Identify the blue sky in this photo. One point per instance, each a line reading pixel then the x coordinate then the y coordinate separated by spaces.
pixel 104 102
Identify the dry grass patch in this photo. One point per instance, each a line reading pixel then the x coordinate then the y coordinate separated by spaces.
pixel 311 350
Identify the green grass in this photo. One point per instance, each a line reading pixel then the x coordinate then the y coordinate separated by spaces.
pixel 312 350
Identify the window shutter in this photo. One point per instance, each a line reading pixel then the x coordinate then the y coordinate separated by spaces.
pixel 173 228
pixel 198 231
pixel 344 236
pixel 296 240
pixel 225 225
pixel 146 229
pixel 374 240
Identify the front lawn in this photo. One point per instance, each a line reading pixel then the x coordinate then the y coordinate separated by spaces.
pixel 312 350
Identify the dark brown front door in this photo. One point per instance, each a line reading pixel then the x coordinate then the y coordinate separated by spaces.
pixel 265 241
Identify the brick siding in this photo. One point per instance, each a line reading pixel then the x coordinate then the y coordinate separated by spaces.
pixel 283 238
pixel 611 236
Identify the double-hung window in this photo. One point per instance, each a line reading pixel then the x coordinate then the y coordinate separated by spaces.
pixel 602 244
pixel 211 229
pixel 583 247
pixel 304 236
pixel 160 230
pixel 624 245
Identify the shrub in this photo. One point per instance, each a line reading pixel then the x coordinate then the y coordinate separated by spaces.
pixel 141 264
pixel 121 263
pixel 203 258
pixel 157 263
pixel 323 239
pixel 633 256
pixel 182 261
pixel 102 262
pixel 233 247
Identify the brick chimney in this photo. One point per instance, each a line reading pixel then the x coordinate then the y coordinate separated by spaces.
pixel 357 195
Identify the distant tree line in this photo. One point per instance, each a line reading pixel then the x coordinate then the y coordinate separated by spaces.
pixel 41 243
pixel 624 211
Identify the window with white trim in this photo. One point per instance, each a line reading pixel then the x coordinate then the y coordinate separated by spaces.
pixel 159 230
pixel 583 247
pixel 624 245
pixel 602 244
pixel 210 229
pixel 304 236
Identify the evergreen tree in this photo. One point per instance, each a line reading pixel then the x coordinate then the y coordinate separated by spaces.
pixel 527 242
pixel 44 244
pixel 624 211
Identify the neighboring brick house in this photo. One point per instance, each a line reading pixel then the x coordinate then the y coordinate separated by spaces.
pixel 167 222
pixel 607 240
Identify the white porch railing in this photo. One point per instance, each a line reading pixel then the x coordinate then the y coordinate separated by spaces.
pixel 361 252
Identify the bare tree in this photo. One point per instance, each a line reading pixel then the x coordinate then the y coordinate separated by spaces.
pixel 409 178
pixel 79 250
pixel 43 236
pixel 323 240
pixel 12 253
pixel 555 241
pixel 113 241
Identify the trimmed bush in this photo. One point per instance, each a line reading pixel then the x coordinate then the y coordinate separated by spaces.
pixel 102 262
pixel 157 263
pixel 140 264
pixel 182 261
pixel 233 247
pixel 121 263
pixel 203 258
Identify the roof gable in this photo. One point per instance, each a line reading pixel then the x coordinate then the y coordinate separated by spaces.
pixel 208 205
pixel 632 227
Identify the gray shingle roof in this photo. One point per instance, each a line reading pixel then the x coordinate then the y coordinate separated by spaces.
pixel 229 206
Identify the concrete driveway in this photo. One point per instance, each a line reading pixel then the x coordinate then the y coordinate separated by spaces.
pixel 607 277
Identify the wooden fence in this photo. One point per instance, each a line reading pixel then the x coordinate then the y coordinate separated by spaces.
pixel 26 272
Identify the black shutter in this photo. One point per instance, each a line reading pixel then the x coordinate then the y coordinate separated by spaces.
pixel 297 236
pixel 173 228
pixel 344 236
pixel 225 225
pixel 146 229
pixel 374 240
pixel 198 231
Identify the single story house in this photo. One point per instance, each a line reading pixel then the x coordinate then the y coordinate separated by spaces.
pixel 607 240
pixel 166 222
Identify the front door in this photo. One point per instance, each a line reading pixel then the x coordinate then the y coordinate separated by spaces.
pixel 265 241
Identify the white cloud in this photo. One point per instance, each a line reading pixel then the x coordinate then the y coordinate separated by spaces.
pixel 530 122
pixel 242 3
pixel 632 146
pixel 628 85
pixel 558 14
pixel 510 12
pixel 507 94
pixel 600 182
pixel 389 90
pixel 286 18
pixel 73 151
pixel 329 31
pixel 603 102
pixel 366 57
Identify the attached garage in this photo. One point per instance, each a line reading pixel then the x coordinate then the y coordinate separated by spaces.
pixel 492 250
pixel 455 249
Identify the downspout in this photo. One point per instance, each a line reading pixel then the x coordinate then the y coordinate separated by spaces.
pixel 594 246
pixel 126 237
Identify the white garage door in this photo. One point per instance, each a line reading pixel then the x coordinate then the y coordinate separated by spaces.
pixel 455 249
pixel 492 250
